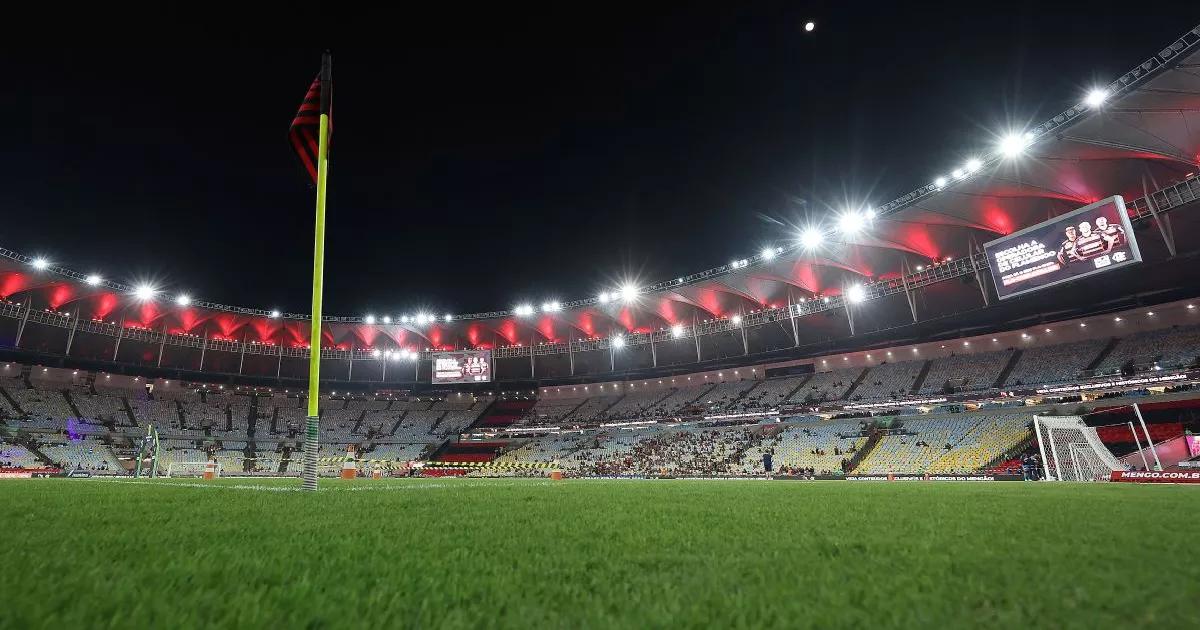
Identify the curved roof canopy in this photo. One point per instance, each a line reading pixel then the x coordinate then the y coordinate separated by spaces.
pixel 1142 135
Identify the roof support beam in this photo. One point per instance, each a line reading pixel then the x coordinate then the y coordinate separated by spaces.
pixel 1162 221
pixel 973 247
pixel 908 292
pixel 792 316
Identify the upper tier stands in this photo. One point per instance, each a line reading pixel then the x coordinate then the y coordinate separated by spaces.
pixel 966 372
pixel 826 386
pixel 1054 364
pixel 773 391
pixel 888 381
pixel 1173 347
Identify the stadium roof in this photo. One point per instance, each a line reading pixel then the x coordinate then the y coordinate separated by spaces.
pixel 1138 134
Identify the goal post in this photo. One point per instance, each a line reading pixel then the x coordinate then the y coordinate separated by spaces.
pixel 192 469
pixel 1072 451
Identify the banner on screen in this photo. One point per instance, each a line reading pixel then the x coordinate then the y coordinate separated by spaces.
pixel 1093 239
pixel 465 366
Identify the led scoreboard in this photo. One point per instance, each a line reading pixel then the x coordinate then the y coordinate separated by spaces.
pixel 1093 239
pixel 465 366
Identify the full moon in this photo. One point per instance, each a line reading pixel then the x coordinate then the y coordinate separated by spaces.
pixel 809 26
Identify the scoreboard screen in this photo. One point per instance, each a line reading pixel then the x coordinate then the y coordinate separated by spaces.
pixel 464 366
pixel 1091 240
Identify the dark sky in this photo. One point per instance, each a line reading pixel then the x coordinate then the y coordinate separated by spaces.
pixel 484 160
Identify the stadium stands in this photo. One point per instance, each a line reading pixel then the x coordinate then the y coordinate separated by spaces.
pixel 965 372
pixel 1054 364
pixel 17 456
pixel 79 419
pixel 772 391
pixel 888 381
pixel 822 446
pixel 726 396
pixel 954 444
pixel 1167 348
pixel 90 455
pixel 826 386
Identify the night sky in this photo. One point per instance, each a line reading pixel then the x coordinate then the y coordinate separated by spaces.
pixel 483 161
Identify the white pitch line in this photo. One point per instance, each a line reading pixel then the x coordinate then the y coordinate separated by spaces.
pixel 193 484
pixel 442 485
pixel 262 488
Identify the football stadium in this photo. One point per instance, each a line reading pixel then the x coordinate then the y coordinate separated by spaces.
pixel 974 405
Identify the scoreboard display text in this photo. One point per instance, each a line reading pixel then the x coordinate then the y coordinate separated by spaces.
pixel 1093 239
pixel 465 366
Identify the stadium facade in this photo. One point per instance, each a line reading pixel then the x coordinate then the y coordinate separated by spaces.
pixel 913 270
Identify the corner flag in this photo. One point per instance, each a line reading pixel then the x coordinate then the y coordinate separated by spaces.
pixel 309 137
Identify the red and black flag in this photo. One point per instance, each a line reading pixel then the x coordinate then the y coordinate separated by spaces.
pixel 305 130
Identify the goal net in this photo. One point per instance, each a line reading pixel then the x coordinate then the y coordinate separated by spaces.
pixel 189 469
pixel 1072 451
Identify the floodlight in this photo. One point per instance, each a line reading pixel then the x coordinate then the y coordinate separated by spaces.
pixel 93 279
pixel 604 298
pixel 183 299
pixel 811 238
pixel 851 222
pixel 551 307
pixel 387 319
pixel 677 331
pixel 376 353
pixel 370 319
pixel 629 292
pixel 618 341
pixel 959 173
pixel 404 319
pixel 275 314
pixel 940 183
pixel 40 263
pixel 144 292
pixel 856 294
pixel 736 319
pixel 973 165
pixel 1015 144
pixel 1096 97
pixel 524 310
pixel 447 317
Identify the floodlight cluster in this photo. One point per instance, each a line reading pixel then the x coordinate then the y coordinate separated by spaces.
pixel 1014 143
pixel 848 223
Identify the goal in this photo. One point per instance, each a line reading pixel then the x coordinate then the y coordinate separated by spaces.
pixel 190 469
pixel 1072 451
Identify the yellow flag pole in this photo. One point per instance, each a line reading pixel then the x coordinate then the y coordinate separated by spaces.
pixel 312 428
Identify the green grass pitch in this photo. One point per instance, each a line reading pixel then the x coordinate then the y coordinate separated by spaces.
pixel 466 553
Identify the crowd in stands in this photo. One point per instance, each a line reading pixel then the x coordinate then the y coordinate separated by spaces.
pixel 93 426
pixel 96 425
